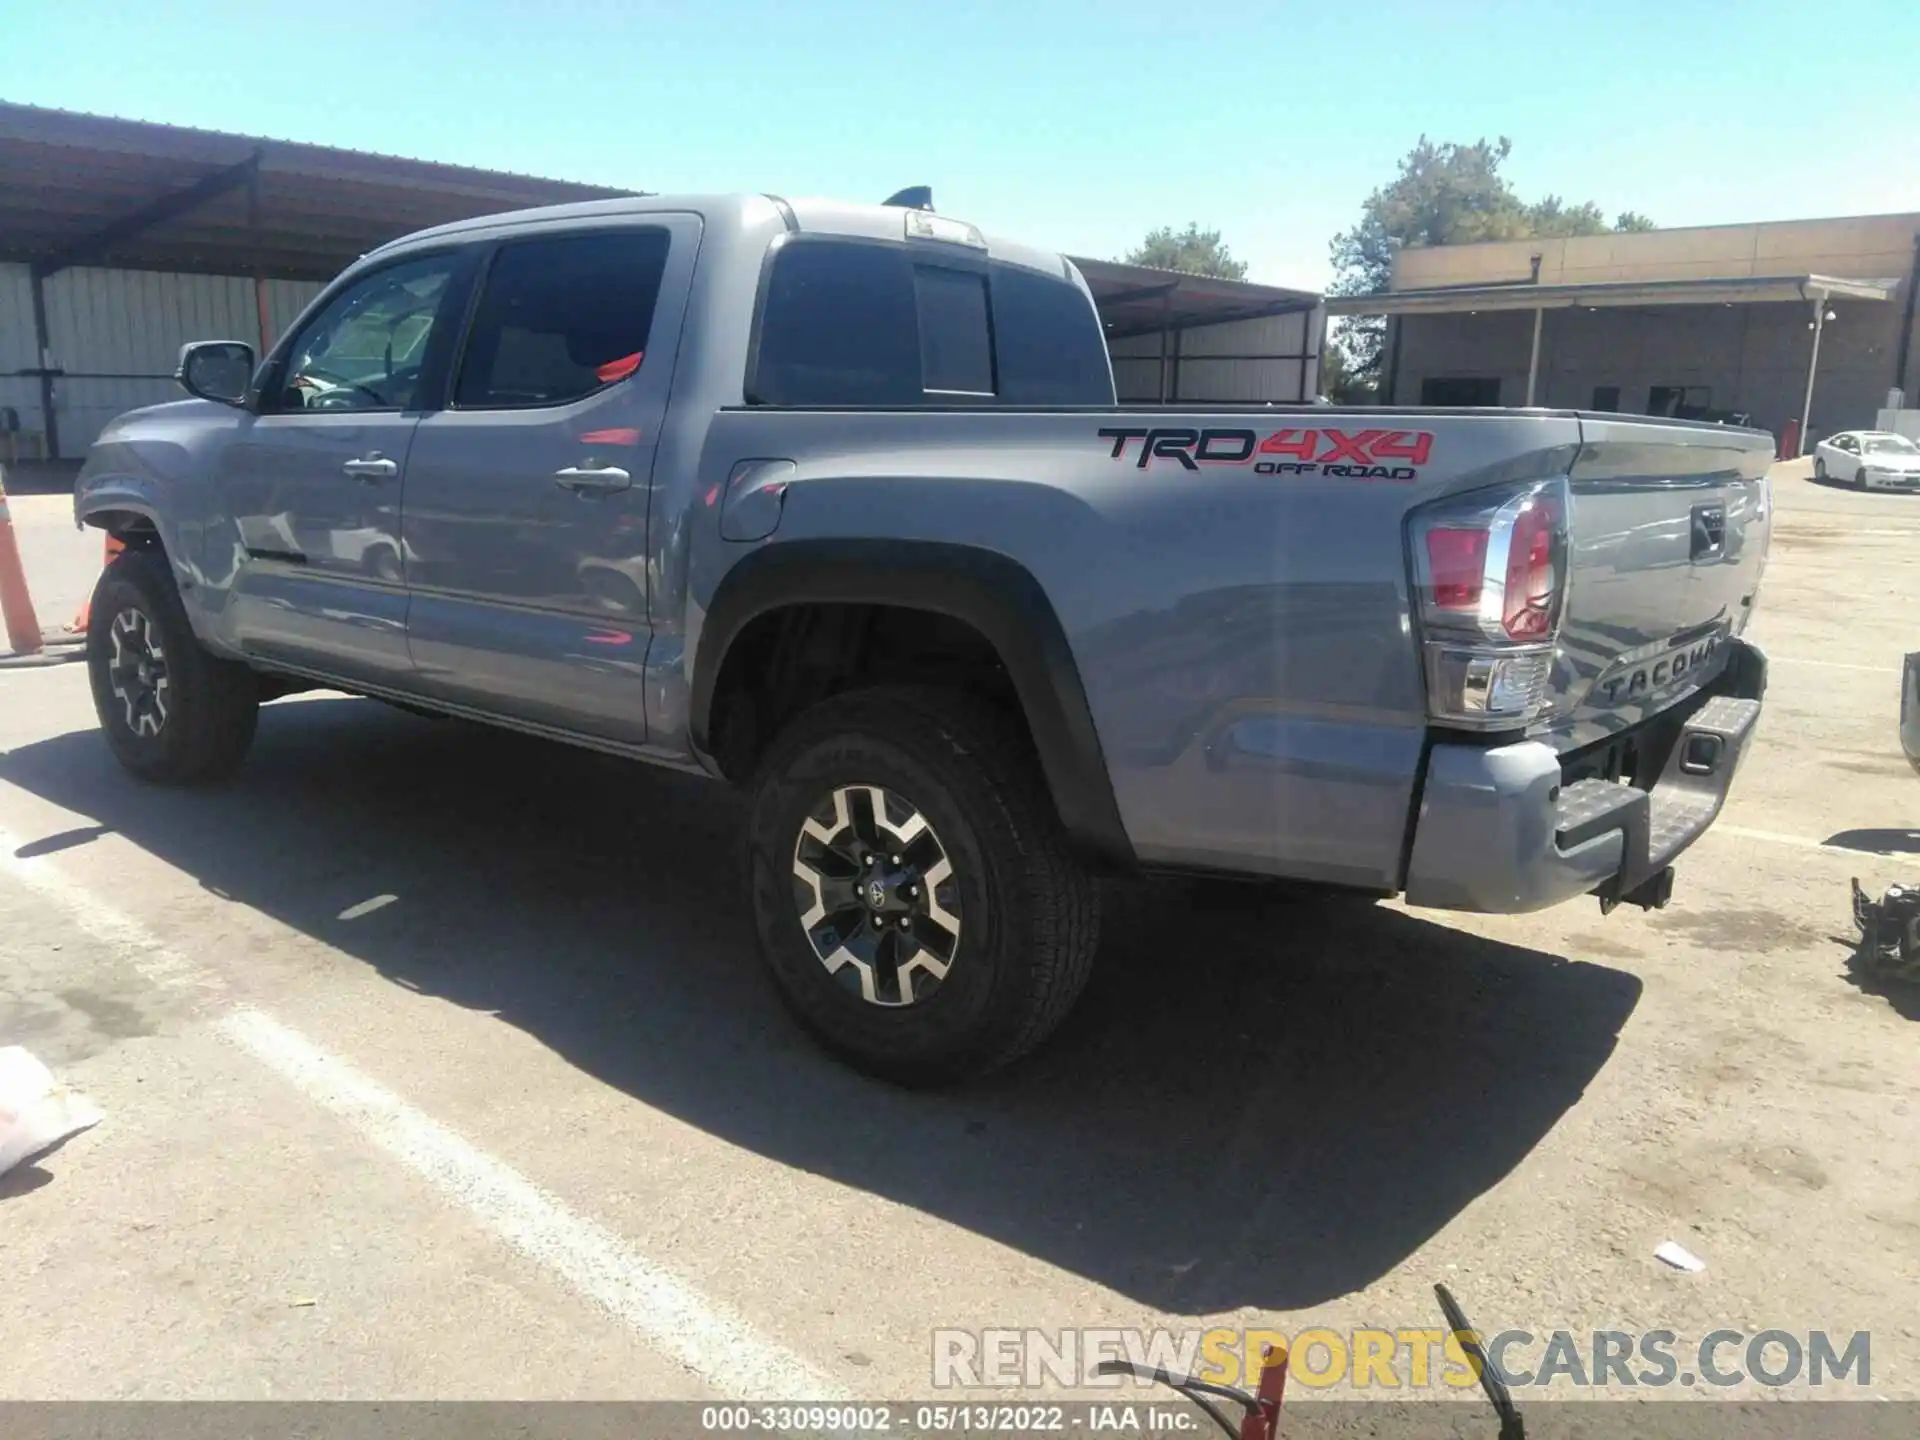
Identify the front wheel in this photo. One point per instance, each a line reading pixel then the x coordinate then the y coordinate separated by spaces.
pixel 913 888
pixel 1819 468
pixel 171 711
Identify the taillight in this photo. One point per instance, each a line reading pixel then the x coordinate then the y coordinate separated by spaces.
pixel 1490 580
pixel 1533 582
pixel 1457 562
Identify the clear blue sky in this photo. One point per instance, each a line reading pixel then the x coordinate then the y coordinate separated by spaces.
pixel 1066 123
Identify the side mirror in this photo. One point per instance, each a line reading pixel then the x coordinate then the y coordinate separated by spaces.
pixel 216 370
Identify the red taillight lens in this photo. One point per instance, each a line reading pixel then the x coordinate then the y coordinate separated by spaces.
pixel 1490 571
pixel 1456 564
pixel 1531 582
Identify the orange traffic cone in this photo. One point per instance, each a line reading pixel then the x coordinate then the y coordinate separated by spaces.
pixel 113 548
pixel 23 627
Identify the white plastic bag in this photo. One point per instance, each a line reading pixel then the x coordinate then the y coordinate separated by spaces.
pixel 37 1112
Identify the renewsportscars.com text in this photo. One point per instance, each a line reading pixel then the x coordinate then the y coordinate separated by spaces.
pixel 1408 1359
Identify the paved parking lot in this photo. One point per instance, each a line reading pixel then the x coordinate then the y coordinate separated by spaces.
pixel 437 1063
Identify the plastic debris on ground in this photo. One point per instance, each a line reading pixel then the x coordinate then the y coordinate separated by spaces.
pixel 1679 1257
pixel 37 1113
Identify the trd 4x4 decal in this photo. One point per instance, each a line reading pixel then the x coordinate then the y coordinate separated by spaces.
pixel 1337 454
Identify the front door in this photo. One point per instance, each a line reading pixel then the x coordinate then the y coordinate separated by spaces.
pixel 526 503
pixel 314 480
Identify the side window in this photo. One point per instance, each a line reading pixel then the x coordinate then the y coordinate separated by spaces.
pixel 839 327
pixel 1048 340
pixel 364 351
pixel 561 318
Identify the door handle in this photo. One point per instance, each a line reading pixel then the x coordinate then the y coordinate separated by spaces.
pixel 375 467
pixel 1709 537
pixel 584 481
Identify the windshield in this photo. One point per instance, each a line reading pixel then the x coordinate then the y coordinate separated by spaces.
pixel 1891 445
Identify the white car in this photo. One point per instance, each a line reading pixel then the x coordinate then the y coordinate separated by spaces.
pixel 1868 460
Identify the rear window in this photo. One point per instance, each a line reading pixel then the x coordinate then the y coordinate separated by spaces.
pixel 956 349
pixel 860 324
pixel 561 318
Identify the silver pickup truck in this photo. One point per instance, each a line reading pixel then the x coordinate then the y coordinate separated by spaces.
pixel 833 502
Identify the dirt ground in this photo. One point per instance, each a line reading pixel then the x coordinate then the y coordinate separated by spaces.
pixel 437 1063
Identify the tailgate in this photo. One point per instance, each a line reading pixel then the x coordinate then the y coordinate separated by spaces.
pixel 1668 541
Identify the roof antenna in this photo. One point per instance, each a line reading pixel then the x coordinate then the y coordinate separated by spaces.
pixel 914 197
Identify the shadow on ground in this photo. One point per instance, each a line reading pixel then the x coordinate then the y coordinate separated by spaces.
pixel 1871 977
pixel 1877 842
pixel 1263 1102
pixel 23 1180
pixel 40 477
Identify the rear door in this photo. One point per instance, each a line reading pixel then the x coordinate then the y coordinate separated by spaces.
pixel 314 481
pixel 527 501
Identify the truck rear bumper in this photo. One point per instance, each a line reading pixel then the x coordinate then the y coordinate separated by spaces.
pixel 1501 831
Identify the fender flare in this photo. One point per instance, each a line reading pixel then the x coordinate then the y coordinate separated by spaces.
pixel 996 595
pixel 117 497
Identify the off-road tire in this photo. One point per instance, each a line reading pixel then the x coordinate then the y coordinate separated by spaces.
pixel 1028 909
pixel 212 704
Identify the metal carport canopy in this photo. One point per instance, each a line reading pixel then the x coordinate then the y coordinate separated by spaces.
pixel 81 190
pixel 1601 294
pixel 92 190
pixel 1140 300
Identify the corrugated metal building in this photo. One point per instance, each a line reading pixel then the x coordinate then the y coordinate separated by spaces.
pixel 120 241
pixel 1274 358
pixel 1199 340
pixel 113 335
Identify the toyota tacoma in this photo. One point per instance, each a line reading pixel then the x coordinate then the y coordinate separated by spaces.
pixel 834 503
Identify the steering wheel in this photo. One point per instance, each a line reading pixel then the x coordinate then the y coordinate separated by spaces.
pixel 343 383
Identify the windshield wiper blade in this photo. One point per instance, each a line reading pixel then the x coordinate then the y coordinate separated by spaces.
pixel 1491 1381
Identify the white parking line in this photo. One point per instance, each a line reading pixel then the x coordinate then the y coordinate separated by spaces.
pixel 1772 837
pixel 1833 664
pixel 62 665
pixel 1801 842
pixel 149 957
pixel 720 1348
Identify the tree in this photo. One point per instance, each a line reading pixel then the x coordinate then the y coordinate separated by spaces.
pixel 1445 194
pixel 1339 382
pixel 1192 251
pixel 1552 219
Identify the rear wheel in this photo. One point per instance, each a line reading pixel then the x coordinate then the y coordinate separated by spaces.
pixel 171 711
pixel 1819 468
pixel 913 889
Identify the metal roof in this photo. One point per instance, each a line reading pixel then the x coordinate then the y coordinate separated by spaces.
pixel 95 190
pixel 92 190
pixel 1724 290
pixel 1140 300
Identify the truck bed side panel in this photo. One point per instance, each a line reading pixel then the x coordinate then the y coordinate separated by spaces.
pixel 1242 634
